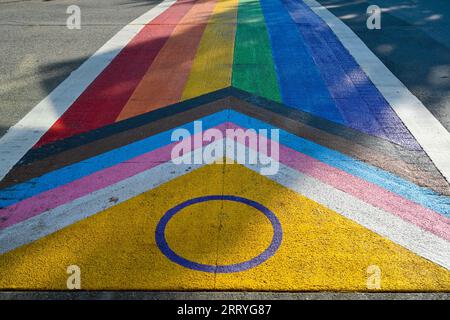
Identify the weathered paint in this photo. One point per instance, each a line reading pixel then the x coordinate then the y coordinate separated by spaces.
pixel 321 250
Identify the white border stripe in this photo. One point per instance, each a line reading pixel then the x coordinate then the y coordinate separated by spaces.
pixel 428 131
pixel 386 224
pixel 69 213
pixel 27 132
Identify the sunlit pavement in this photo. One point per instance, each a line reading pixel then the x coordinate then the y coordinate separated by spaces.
pixel 350 195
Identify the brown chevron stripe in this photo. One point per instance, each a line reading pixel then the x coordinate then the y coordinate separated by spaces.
pixel 395 160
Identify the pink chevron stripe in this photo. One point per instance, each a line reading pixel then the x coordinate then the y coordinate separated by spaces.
pixel 51 199
pixel 366 191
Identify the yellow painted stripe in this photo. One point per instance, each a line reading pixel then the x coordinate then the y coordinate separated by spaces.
pixel 321 250
pixel 213 63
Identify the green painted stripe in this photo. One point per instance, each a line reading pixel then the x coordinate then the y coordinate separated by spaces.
pixel 253 66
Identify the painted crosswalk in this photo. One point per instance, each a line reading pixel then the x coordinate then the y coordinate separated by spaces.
pixel 356 186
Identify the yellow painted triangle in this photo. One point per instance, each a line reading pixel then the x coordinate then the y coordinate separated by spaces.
pixel 320 250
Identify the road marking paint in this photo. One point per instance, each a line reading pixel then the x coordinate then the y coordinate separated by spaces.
pixel 368 192
pixel 213 62
pixel 359 101
pixel 301 83
pixel 271 249
pixel 253 66
pixel 89 183
pixel 386 180
pixel 101 103
pixel 164 81
pixel 387 224
pixel 321 250
pixel 342 89
pixel 370 173
pixel 428 131
pixel 88 205
pixel 27 132
pixel 213 70
pixel 359 146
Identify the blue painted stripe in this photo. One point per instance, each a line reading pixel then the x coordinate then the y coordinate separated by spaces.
pixel 384 179
pixel 363 106
pixel 300 82
pixel 353 108
pixel 424 196
pixel 65 175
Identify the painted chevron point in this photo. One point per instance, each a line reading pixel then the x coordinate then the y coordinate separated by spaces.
pixel 112 201
pixel 356 185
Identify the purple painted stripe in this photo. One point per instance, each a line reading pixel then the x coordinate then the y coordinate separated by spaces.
pixel 360 102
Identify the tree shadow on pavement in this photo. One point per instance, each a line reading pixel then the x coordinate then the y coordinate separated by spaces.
pixel 413 42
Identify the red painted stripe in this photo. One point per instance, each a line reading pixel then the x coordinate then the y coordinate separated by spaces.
pixel 164 82
pixel 102 101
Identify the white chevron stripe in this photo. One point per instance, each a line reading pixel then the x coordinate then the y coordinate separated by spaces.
pixel 381 222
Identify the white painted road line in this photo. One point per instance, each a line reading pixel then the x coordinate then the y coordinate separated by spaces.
pixel 384 223
pixel 26 133
pixel 428 131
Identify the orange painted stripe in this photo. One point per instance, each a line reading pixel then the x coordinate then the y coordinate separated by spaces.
pixel 164 81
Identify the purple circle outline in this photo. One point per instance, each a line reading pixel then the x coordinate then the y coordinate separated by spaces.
pixel 262 257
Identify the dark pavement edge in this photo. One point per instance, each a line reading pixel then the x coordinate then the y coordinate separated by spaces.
pixel 145 295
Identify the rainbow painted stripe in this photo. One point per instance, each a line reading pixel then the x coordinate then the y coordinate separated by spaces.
pixel 279 50
pixel 354 187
